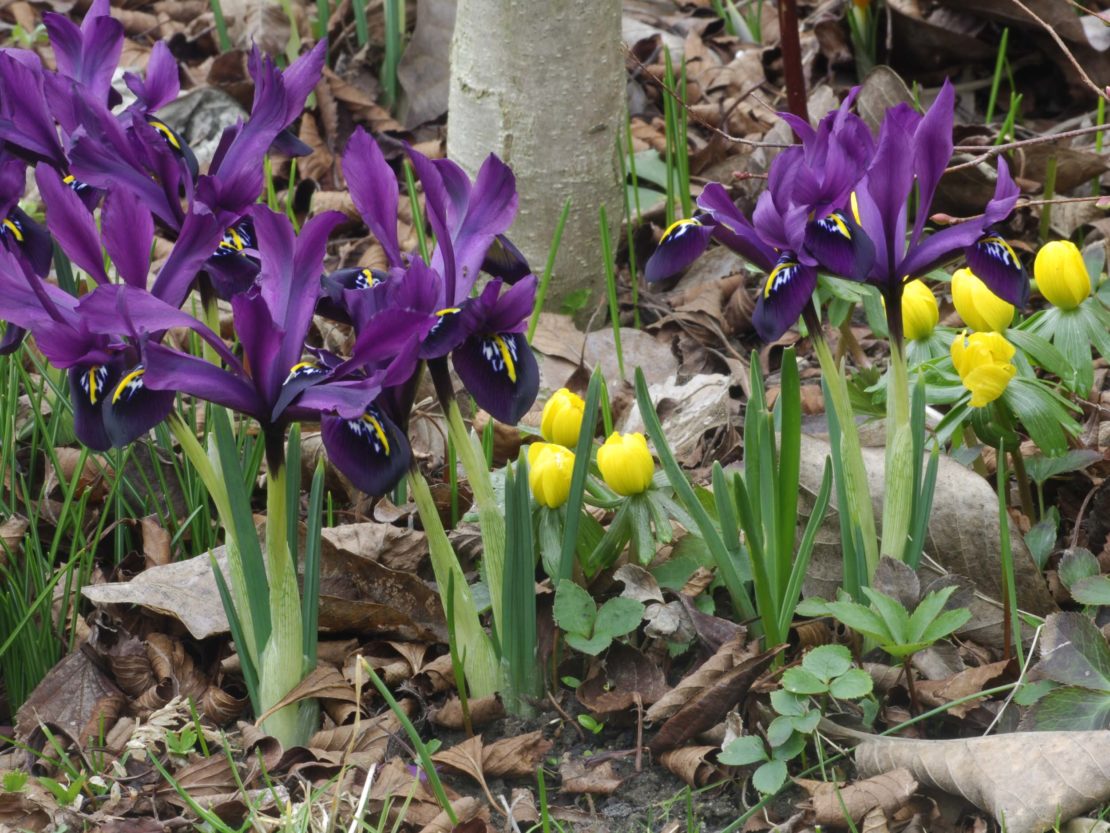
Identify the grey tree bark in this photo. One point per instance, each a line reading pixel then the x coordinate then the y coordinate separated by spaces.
pixel 541 83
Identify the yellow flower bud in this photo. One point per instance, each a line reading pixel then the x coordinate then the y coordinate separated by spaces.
pixel 562 418
pixel 983 361
pixel 980 308
pixel 919 310
pixel 550 468
pixel 626 463
pixel 1061 274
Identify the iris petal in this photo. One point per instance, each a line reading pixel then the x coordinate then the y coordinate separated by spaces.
pixel 500 372
pixel 371 451
pixel 682 243
pixel 785 293
pixel 840 246
pixel 132 408
pixel 89 387
pixel 995 263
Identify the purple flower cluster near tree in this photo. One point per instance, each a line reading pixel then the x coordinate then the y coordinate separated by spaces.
pixel 839 202
pixel 111 179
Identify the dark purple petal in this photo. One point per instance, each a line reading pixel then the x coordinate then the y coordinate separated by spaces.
pixel 301 78
pixel 374 191
pixel 133 409
pixel 500 372
pixel 70 223
pixel 995 263
pixel 436 201
pixel 200 235
pixel 13 179
pixel 785 293
pixel 490 211
pixel 840 246
pixel 733 228
pixel 1006 193
pixel 88 55
pixel 448 331
pixel 12 338
pixel 889 182
pixel 505 261
pixel 176 143
pixel 371 451
pixel 511 310
pixel 89 387
pixel 25 121
pixel 932 148
pixel 128 231
pixel 32 242
pixel 681 244
pixel 939 248
pixel 161 84
pixel 168 369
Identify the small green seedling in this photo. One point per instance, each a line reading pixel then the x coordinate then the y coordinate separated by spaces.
pixel 13 781
pixel 590 723
pixel 590 629
pixel 181 743
pixel 826 672
pixel 1079 571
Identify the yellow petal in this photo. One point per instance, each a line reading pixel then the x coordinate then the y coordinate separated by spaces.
pixel 1061 274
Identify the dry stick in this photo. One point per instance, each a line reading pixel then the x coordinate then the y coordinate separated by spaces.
pixel 1101 93
pixel 994 150
pixel 792 59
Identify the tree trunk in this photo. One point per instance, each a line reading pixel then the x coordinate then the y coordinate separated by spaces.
pixel 542 85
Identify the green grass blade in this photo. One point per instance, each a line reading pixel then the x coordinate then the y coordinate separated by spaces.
pixel 548 269
pixel 611 287
pixel 310 600
pixel 582 454
pixel 789 462
pixel 250 673
pixel 730 571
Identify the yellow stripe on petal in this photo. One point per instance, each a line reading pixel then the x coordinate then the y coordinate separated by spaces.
pixel 506 356
pixel 14 228
pixel 373 422
pixel 125 382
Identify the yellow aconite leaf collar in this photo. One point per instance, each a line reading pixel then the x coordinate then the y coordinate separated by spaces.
pixel 1061 274
pixel 626 463
pixel 550 468
pixel 983 361
pixel 562 418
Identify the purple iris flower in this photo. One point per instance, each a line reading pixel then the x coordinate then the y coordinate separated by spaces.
pixel 802 223
pixel 484 334
pixel 913 149
pixel 88 54
pixel 274 382
pixel 20 235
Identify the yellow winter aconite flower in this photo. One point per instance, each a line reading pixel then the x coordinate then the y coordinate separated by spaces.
pixel 983 361
pixel 562 418
pixel 550 468
pixel 626 463
pixel 980 308
pixel 919 310
pixel 1061 274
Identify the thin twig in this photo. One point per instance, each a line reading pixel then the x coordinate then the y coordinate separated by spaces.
pixel 1021 676
pixel 1101 93
pixel 994 150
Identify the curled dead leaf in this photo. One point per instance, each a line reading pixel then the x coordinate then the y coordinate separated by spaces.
pixel 887 793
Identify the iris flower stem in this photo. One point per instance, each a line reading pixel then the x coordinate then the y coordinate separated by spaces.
pixel 1025 491
pixel 283 659
pixel 214 483
pixel 792 59
pixel 474 646
pixel 490 519
pixel 855 475
pixel 899 464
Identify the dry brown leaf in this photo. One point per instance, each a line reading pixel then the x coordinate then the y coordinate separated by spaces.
pixel 728 656
pixel 963 684
pixel 395 547
pixel 626 677
pixel 578 778
pixel 75 696
pixel 465 757
pixel 874 822
pixel 1028 780
pixel 691 764
pixel 19 812
pixel 887 792
pixel 515 757
pixel 202 778
pixel 156 542
pixel 466 809
pixel 323 682
pixel 367 740
pixel 483 710
pixel 708 706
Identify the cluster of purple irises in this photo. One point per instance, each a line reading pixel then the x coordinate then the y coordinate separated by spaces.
pixel 111 178
pixel 839 202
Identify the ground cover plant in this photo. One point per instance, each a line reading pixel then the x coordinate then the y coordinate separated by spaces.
pixel 319 510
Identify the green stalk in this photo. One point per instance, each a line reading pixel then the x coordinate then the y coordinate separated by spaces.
pixel 393 32
pixel 474 645
pixel 549 267
pixel 856 488
pixel 899 488
pixel 323 14
pixel 217 489
pixel 221 26
pixel 282 664
pixel 996 80
pixel 611 286
pixel 490 520
pixel 362 31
